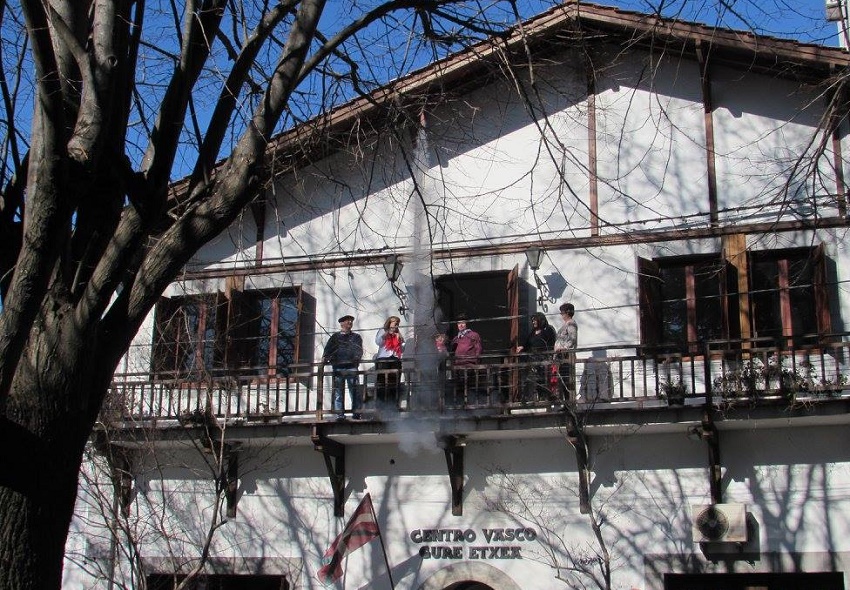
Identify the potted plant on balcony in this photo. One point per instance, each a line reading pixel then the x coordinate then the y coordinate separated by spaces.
pixel 744 381
pixel 673 390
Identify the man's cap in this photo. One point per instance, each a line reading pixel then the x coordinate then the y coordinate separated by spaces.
pixel 461 317
pixel 346 317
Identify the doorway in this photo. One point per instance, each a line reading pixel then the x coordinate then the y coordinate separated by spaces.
pixel 491 300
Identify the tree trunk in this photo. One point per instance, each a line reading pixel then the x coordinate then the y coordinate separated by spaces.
pixel 33 533
pixel 57 388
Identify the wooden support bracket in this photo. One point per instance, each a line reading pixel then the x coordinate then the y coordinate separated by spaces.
pixel 334 455
pixel 121 465
pixel 712 437
pixel 707 431
pixel 453 447
pixel 577 439
pixel 231 480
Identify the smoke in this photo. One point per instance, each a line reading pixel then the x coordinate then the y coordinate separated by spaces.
pixel 426 316
pixel 416 436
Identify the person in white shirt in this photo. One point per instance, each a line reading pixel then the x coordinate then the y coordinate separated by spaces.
pixel 388 362
pixel 566 341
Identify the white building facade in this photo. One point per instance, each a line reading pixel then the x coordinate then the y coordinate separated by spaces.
pixel 686 188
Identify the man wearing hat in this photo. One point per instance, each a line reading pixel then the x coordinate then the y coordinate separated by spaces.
pixel 344 351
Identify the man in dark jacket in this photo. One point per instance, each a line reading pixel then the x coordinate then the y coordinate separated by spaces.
pixel 344 351
pixel 466 348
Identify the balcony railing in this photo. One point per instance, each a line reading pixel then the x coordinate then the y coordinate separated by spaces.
pixel 593 378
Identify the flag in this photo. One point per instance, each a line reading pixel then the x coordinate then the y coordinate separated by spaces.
pixel 361 528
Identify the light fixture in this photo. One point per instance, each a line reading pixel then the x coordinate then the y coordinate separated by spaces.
pixel 535 257
pixel 393 266
pixel 534 254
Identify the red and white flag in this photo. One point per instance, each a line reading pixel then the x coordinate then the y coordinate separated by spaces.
pixel 361 528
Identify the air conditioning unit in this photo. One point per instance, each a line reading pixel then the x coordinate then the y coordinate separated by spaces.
pixel 719 523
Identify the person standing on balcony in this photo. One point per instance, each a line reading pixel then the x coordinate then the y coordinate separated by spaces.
pixel 566 341
pixel 388 362
pixel 466 348
pixel 344 351
pixel 538 346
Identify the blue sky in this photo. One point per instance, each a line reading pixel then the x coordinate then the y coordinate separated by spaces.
pixel 803 20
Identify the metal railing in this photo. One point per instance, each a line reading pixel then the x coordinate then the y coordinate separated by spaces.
pixel 598 377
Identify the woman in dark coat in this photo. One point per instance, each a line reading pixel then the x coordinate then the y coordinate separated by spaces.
pixel 538 347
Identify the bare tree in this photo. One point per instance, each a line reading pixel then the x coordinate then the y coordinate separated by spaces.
pixel 92 230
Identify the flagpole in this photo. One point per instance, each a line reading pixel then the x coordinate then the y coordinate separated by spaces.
pixel 383 547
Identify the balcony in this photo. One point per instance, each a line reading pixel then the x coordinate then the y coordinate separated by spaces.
pixel 739 374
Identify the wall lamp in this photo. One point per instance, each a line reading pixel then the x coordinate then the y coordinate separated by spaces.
pixel 534 255
pixel 393 266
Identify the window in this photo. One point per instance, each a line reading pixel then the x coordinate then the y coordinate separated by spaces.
pixel 188 339
pixel 264 329
pixel 263 332
pixel 686 302
pixel 788 295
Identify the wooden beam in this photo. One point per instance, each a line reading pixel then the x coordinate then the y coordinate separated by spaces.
pixel 592 158
pixel 453 446
pixel 355 259
pixel 258 212
pixel 708 122
pixel 333 453
pixel 231 480
pixel 576 437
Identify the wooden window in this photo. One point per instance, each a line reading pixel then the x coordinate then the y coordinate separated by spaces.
pixel 258 331
pixel 269 330
pixel 188 337
pixel 789 298
pixel 686 302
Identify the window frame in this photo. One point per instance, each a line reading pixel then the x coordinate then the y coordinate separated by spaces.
pixel 237 356
pixel 228 354
pixel 650 299
pixel 821 312
pixel 171 344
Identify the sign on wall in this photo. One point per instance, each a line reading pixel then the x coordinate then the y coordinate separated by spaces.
pixel 484 544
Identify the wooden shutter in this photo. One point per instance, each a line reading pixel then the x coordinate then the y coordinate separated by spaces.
pixel 238 347
pixel 220 342
pixel 165 351
pixel 513 305
pixel 729 298
pixel 305 340
pixel 649 298
pixel 821 288
pixel 512 287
